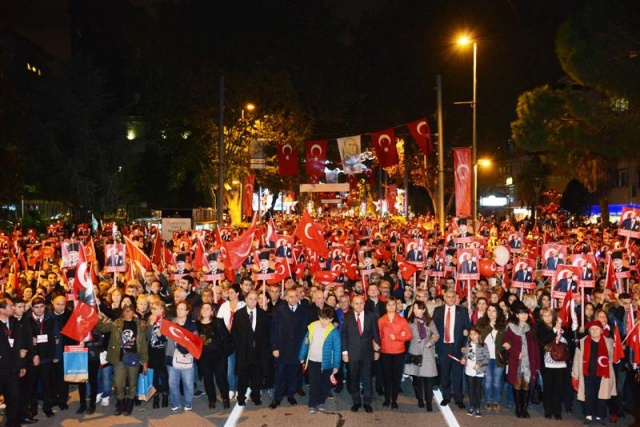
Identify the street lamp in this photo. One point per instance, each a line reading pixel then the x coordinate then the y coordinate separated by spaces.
pixel 465 40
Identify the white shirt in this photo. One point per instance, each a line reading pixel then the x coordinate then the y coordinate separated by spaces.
pixel 252 316
pixel 224 312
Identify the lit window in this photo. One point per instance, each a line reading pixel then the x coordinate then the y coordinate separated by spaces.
pixel 620 104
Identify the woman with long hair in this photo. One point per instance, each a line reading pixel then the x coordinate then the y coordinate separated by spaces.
pixel 492 327
pixel 554 372
pixel 424 336
pixel 394 333
pixel 521 342
pixel 213 362
pixel 157 347
pixel 227 310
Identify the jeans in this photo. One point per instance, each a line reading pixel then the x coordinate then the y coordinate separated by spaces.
pixel 231 373
pixel 187 376
pixel 105 380
pixel 493 382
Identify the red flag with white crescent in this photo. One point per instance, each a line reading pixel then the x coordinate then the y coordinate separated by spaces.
pixel 421 135
pixel 247 195
pixel 199 257
pixel 192 342
pixel 618 349
pixel 384 143
pixel 280 273
pixel 406 269
pixel 139 258
pixel 326 276
pixel 287 159
pixel 463 175
pixel 90 251
pixel 83 319
pixel 83 279
pixel 237 250
pixel 316 156
pixel 309 234
pixel 392 194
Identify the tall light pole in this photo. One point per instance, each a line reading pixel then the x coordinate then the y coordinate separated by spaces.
pixel 474 143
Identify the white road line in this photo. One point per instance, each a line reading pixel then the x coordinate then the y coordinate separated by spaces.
pixel 235 414
pixel 445 410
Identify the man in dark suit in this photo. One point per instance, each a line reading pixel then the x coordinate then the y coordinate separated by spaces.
pixel 453 323
pixel 523 275
pixel 554 261
pixel 360 347
pixel 250 332
pixel 469 266
pixel 288 328
pixel 631 222
pixel 414 254
pixel 569 282
pixel 12 364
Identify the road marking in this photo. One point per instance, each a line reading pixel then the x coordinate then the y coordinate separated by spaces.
pixel 446 411
pixel 235 414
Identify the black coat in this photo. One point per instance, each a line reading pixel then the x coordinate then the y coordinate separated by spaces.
pixel 359 347
pixel 10 360
pixel 252 347
pixel 288 330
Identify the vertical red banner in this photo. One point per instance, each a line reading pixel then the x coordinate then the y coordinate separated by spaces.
pixel 247 195
pixel 463 174
pixel 392 193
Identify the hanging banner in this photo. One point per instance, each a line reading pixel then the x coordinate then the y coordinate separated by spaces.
pixel 351 155
pixel 316 156
pixel 384 143
pixel 463 176
pixel 422 135
pixel 247 195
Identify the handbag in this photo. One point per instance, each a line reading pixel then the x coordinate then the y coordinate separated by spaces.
pixel 559 351
pixel 536 394
pixel 414 359
pixel 503 357
pixel 131 359
pixel 145 386
pixel 181 361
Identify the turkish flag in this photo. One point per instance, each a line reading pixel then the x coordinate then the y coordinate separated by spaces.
pixel 238 250
pixel 199 257
pixel 406 270
pixel 392 193
pixel 564 313
pixel 280 273
pixel 81 322
pixel 83 280
pixel 463 176
pixel 192 342
pixel 90 251
pixel 298 269
pixel 287 159
pixel 384 143
pixel 327 276
pixel 309 234
pixel 140 260
pixel 247 195
pixel 316 156
pixel 421 135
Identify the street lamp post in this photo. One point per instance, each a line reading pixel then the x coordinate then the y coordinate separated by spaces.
pixel 474 142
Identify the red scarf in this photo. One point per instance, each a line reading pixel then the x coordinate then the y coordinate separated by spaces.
pixel 603 354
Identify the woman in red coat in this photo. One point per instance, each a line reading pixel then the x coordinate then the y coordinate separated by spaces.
pixel 394 333
pixel 521 342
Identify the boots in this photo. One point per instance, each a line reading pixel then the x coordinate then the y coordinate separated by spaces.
pixel 428 393
pixel 165 400
pixel 524 398
pixel 92 407
pixel 83 407
pixel 119 407
pixel 518 402
pixel 129 406
pixel 156 401
pixel 417 388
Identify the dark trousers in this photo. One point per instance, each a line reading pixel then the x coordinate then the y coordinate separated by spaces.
pixel 251 376
pixel 450 375
pixel 593 405
pixel 94 366
pixel 553 379
pixel 356 370
pixel 158 363
pixel 392 366
pixel 27 384
pixel 61 387
pixel 213 367
pixel 319 384
pixel 474 387
pixel 288 376
pixel 10 385
pixel 46 373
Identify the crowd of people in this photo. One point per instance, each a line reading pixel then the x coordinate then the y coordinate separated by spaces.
pixel 363 328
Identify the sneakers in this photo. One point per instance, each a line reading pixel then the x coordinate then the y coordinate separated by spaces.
pixel 187 408
pixel 175 409
pixel 232 395
pixel 312 410
pixel 98 398
pixel 471 412
pixel 198 393
pixel 322 408
pixel 477 413
pixel 105 401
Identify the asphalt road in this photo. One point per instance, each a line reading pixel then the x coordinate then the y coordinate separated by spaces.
pixel 338 415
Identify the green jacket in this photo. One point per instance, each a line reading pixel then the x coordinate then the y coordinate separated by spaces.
pixel 499 340
pixel 115 328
